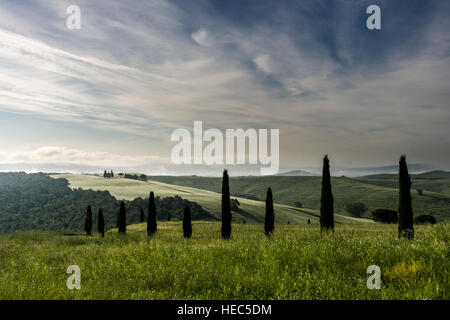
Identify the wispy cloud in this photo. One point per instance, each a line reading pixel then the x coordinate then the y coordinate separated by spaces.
pixel 57 154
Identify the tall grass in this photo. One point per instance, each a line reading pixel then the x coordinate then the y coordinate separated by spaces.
pixel 297 263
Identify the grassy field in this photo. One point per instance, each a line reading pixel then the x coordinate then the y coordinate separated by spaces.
pixel 250 210
pixel 298 263
pixel 376 192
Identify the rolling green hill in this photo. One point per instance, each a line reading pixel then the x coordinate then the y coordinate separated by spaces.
pixel 250 210
pixel 378 191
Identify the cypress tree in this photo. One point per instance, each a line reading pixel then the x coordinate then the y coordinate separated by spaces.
pixel 151 220
pixel 187 226
pixel 105 174
pixel 112 174
pixel 142 216
pixel 169 217
pixel 405 212
pixel 269 218
pixel 101 222
pixel 226 208
pixel 122 218
pixel 88 221
pixel 326 199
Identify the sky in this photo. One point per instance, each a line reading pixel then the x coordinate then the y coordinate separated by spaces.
pixel 111 93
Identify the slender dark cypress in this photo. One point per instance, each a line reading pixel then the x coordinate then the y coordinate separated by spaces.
pixel 88 221
pixel 151 220
pixel 226 208
pixel 326 199
pixel 101 223
pixel 269 220
pixel 187 226
pixel 405 212
pixel 142 215
pixel 122 218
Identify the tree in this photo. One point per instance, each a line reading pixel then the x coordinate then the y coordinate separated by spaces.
pixel 226 208
pixel 309 221
pixel 405 212
pixel 420 191
pixel 105 175
pixel 88 221
pixel 269 218
pixel 356 209
pixel 326 199
pixel 101 222
pixel 122 218
pixel 187 226
pixel 112 174
pixel 151 220
pixel 142 216
pixel 169 217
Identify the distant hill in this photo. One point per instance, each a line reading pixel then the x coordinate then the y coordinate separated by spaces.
pixel 391 169
pixel 376 191
pixel 295 173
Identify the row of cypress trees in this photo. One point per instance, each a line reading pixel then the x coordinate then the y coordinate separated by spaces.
pixel 122 220
pixel 405 212
pixel 405 221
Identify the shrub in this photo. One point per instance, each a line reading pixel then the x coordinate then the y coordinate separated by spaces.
pixel 356 209
pixel 425 218
pixel 298 204
pixel 235 204
pixel 385 216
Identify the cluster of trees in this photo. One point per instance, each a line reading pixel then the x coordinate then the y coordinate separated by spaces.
pixel 109 174
pixel 141 177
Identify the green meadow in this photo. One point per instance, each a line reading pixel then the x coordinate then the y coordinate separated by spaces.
pixel 297 263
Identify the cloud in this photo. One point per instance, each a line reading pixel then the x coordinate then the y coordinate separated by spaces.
pixel 202 37
pixel 309 68
pixel 263 63
pixel 56 154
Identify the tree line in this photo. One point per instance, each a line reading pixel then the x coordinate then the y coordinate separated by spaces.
pixel 405 212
